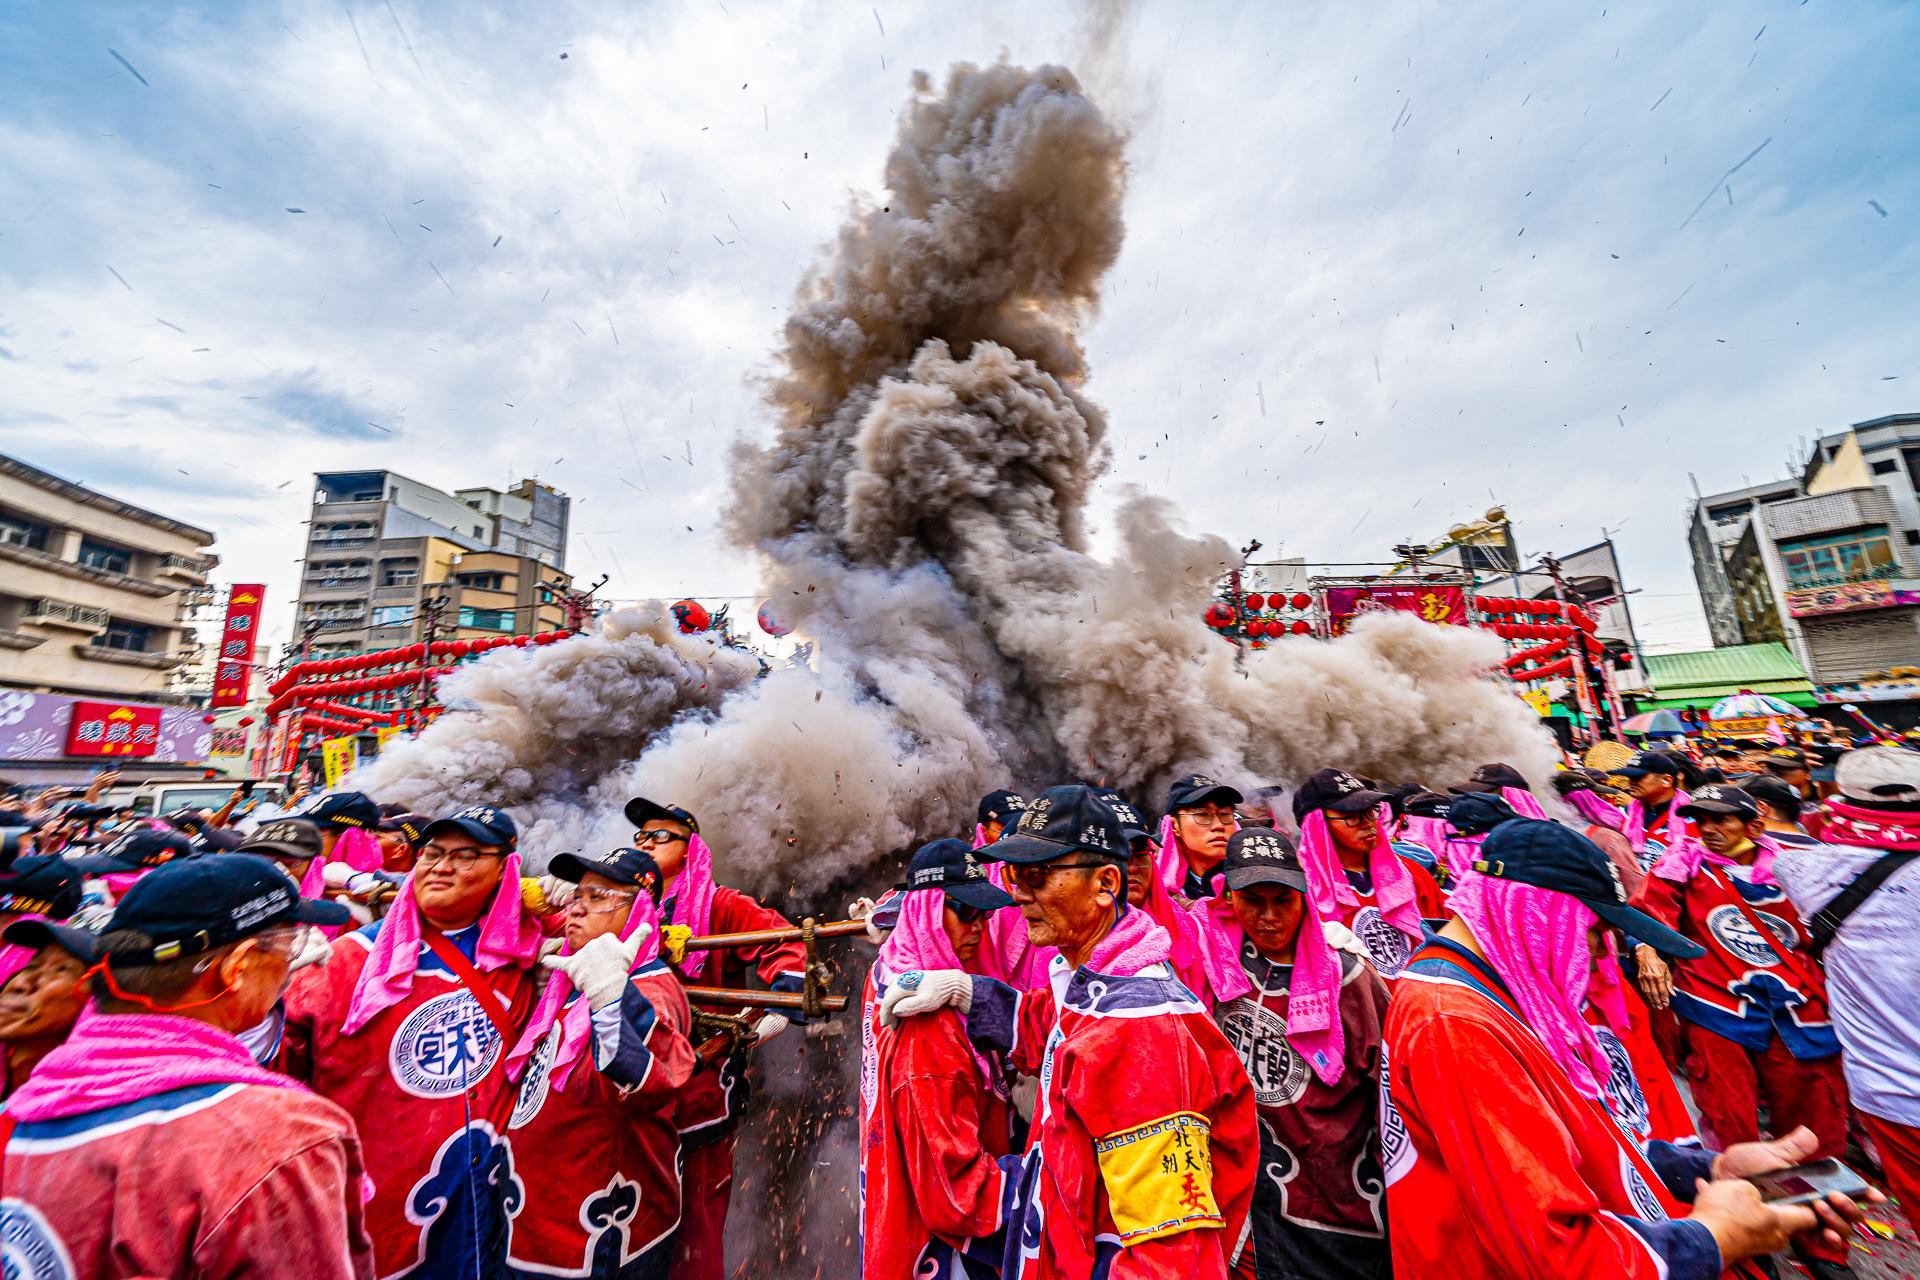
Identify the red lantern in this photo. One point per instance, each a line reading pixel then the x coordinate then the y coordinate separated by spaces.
pixel 206 719
pixel 691 616
pixel 244 721
pixel 1302 628
pixel 521 642
pixel 1219 615
pixel 546 637
pixel 1301 600
pixel 1256 602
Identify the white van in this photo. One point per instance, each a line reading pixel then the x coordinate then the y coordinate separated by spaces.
pixel 159 798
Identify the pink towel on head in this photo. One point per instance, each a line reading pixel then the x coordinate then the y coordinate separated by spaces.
pixel 575 1018
pixel 1683 859
pixel 1186 933
pixel 692 900
pixel 920 943
pixel 1167 862
pixel 509 935
pixel 1634 826
pixel 1455 852
pixel 1313 997
pixel 1595 810
pixel 358 849
pixel 1133 944
pixel 1536 940
pixel 1609 993
pixel 1327 885
pixel 110 1059
pixel 1522 802
pixel 13 956
pixel 313 881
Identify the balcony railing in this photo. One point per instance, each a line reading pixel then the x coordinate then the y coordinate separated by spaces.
pixel 175 565
pixel 58 613
pixel 1871 573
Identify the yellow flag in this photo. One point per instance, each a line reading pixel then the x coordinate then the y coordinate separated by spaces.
pixel 338 756
pixel 1538 700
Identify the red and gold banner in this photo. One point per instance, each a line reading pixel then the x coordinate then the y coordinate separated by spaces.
pixel 234 670
pixel 1446 606
pixel 112 729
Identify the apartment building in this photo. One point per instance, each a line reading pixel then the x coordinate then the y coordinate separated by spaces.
pixel 380 547
pixel 95 593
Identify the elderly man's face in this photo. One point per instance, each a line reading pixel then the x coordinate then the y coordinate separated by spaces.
pixel 44 998
pixel 1066 901
pixel 1723 833
pixel 1652 788
pixel 1139 867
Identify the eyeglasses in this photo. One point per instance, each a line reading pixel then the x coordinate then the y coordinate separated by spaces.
pixel 659 835
pixel 433 855
pixel 966 914
pixel 1209 817
pixel 598 902
pixel 1365 818
pixel 1033 876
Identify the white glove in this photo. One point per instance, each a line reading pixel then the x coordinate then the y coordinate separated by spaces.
pixel 557 892
pixel 769 1027
pixel 862 909
pixel 1341 938
pixel 599 970
pixel 312 949
pixel 915 993
pixel 336 874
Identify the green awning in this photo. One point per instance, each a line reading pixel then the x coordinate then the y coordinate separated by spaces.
pixel 1701 677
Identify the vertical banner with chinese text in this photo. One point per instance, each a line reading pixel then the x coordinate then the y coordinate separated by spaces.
pixel 338 756
pixel 234 670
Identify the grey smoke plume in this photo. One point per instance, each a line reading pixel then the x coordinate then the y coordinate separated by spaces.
pixel 920 513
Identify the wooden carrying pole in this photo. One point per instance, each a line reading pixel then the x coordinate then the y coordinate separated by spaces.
pixel 737 999
pixel 760 937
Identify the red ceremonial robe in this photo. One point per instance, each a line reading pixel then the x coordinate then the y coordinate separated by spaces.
pixel 600 1152
pixel 931 1135
pixel 1498 1168
pixel 1141 1161
pixel 1386 946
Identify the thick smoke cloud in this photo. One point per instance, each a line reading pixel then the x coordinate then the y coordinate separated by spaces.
pixel 920 514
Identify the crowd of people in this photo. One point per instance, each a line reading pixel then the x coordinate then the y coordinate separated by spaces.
pixel 1356 1028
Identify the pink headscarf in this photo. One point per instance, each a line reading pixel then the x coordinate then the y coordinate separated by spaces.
pixel 1187 933
pixel 575 1018
pixel 1133 944
pixel 691 897
pixel 508 936
pixel 1521 801
pixel 13 956
pixel 1327 883
pixel 1536 940
pixel 1634 826
pixel 1454 851
pixel 1595 810
pixel 980 840
pixel 358 849
pixel 1313 997
pixel 114 1058
pixel 920 942
pixel 1167 862
pixel 1681 862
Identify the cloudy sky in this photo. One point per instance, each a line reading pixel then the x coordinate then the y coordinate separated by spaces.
pixel 1386 262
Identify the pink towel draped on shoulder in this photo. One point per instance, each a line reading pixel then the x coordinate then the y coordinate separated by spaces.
pixel 692 900
pixel 1634 825
pixel 111 1059
pixel 1135 943
pixel 509 935
pixel 1167 862
pixel 1327 885
pixel 1595 810
pixel 1609 993
pixel 1682 861
pixel 576 1019
pixel 920 943
pixel 1536 940
pixel 1186 932
pixel 1313 997
pixel 1522 802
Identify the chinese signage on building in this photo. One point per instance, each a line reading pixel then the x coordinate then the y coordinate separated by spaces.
pixel 229 741
pixel 1875 593
pixel 1444 605
pixel 234 669
pixel 112 729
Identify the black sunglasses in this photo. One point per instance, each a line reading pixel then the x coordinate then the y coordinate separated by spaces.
pixel 966 914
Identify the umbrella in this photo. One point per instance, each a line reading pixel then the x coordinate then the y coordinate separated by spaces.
pixel 1751 706
pixel 1650 723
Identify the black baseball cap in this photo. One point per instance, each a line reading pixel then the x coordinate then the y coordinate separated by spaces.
pixel 1567 781
pixel 1489 779
pixel 1721 800
pixel 187 819
pixel 351 809
pixel 1785 759
pixel 1000 806
pixel 1477 813
pixel 622 866
pixel 1197 789
pixel 197 904
pixel 35 934
pixel 953 866
pixel 1133 825
pixel 1649 762
pixel 293 838
pixel 490 826
pixel 1550 856
pixel 42 885
pixel 1335 790
pixel 411 825
pixel 1261 855
pixel 135 851
pixel 640 811
pixel 1768 789
pixel 1059 821
pixel 217 840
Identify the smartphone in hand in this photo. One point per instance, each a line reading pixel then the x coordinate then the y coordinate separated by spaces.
pixel 1805 1183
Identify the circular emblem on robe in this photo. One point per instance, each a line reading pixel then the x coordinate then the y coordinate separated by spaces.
pixel 1730 927
pixel 539 1078
pixel 1624 1097
pixel 29 1247
pixel 1386 945
pixel 1259 1036
pixel 1645 1203
pixel 444 1047
pixel 1396 1146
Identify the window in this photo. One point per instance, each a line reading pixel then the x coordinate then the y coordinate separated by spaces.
pixel 399 573
pixel 392 615
pixel 1844 557
pixel 18 532
pixel 487 619
pixel 123 635
pixel 1913 537
pixel 1886 466
pixel 99 555
pixel 478 532
pixel 481 581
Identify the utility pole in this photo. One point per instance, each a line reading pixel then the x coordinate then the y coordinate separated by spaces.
pixel 1599 715
pixel 431 605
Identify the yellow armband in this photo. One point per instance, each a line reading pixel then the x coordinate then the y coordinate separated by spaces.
pixel 1159 1178
pixel 673 942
